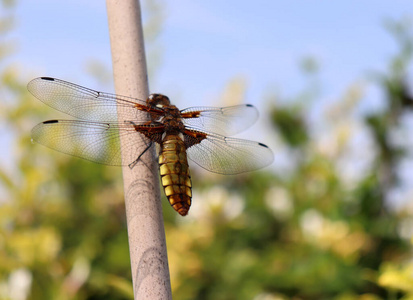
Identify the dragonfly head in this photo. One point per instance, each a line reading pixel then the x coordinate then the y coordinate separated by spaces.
pixel 158 100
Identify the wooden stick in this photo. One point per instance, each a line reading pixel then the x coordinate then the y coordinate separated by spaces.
pixel 147 246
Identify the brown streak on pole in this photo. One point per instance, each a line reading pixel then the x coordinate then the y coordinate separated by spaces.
pixel 147 246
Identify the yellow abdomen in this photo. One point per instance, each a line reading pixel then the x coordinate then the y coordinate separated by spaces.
pixel 173 167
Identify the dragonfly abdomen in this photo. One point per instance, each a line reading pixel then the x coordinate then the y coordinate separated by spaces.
pixel 174 171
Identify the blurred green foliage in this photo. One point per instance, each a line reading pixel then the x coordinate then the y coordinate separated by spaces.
pixel 312 232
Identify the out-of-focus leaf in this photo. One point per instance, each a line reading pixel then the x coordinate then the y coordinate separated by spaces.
pixel 397 277
pixel 291 126
pixel 121 284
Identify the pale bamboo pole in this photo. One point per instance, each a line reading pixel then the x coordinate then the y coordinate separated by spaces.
pixel 147 246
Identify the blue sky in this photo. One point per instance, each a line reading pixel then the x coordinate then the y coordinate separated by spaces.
pixel 205 44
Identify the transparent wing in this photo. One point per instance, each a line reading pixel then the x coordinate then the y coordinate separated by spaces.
pixel 98 142
pixel 221 120
pixel 84 103
pixel 225 155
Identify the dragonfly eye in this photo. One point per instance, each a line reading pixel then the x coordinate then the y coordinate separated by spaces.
pixel 158 100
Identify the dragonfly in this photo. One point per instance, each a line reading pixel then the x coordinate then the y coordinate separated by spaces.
pixel 201 134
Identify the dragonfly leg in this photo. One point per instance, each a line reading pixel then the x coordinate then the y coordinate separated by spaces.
pixel 132 164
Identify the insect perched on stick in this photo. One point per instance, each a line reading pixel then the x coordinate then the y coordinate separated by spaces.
pixel 197 133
